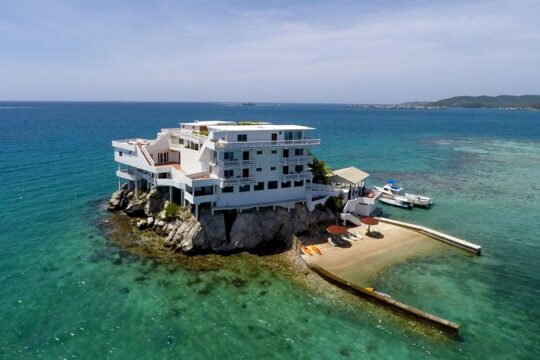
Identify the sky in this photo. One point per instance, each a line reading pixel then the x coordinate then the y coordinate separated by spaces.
pixel 267 51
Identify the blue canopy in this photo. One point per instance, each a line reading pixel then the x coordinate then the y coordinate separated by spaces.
pixel 391 181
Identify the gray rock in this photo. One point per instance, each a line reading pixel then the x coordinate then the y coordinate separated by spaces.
pixel 135 208
pixel 117 201
pixel 150 221
pixel 154 204
pixel 142 224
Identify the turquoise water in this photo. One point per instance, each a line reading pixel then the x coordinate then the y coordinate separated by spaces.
pixel 68 293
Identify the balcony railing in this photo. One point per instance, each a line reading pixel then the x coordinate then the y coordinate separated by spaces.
pixel 297 160
pixel 218 145
pixel 238 181
pixel 296 177
pixel 190 136
pixel 232 163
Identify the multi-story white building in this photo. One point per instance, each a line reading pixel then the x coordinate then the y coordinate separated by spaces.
pixel 226 165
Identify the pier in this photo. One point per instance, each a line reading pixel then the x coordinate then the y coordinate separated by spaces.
pixel 353 265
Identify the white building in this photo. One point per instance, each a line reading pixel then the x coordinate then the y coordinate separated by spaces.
pixel 225 165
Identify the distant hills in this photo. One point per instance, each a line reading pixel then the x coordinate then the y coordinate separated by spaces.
pixel 501 101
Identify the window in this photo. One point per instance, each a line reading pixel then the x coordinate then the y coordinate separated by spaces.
pixel 272 168
pixel 299 183
pixel 245 188
pixel 298 152
pixel 119 153
pixel 245 173
pixel 242 137
pixel 285 153
pixel 181 141
pixel 274 151
pixel 259 169
pixel 189 190
pixel 259 152
pixel 299 168
pixel 285 170
pixel 227 174
pixel 272 185
pixel 228 155
pixel 258 186
pixel 227 189
pixel 286 184
pixel 163 158
pixel 288 135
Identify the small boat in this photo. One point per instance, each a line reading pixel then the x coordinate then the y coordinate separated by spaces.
pixel 332 242
pixel 307 250
pixel 396 202
pixel 316 249
pixel 391 191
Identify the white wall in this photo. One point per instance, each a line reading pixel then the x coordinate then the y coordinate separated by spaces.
pixel 265 196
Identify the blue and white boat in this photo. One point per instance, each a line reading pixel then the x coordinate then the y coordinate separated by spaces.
pixel 392 194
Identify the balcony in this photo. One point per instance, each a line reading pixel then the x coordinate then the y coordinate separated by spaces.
pixel 238 181
pixel 306 175
pixel 297 160
pixel 232 163
pixel 226 145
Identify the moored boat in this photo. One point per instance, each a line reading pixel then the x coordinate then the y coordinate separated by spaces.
pixel 396 202
pixel 392 194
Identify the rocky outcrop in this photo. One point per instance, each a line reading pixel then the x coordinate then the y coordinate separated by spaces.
pixel 154 202
pixel 120 199
pixel 249 230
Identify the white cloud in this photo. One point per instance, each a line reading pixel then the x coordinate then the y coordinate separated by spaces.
pixel 229 54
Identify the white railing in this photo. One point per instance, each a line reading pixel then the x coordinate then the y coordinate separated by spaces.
pixel 323 188
pixel 221 144
pixel 297 160
pixel 147 156
pixel 193 137
pixel 296 177
pixel 232 163
pixel 238 181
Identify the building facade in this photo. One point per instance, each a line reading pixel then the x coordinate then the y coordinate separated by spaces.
pixel 223 165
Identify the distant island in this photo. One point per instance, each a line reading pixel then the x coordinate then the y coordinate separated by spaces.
pixel 509 102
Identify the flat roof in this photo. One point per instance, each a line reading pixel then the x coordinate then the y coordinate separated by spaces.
pixel 260 127
pixel 351 174
pixel 208 122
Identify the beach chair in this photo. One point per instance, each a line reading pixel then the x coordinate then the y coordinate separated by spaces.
pixel 331 242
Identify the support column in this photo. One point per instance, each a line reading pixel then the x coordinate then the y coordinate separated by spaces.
pixel 170 193
pixel 197 211
pixel 136 188
pixel 119 185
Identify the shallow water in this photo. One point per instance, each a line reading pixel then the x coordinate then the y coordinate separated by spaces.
pixel 69 293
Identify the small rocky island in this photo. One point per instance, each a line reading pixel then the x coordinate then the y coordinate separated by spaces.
pixel 221 232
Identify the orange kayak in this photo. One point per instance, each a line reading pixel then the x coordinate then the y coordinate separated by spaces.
pixel 316 249
pixel 306 250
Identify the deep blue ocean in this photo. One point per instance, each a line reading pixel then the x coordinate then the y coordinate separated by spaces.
pixel 67 292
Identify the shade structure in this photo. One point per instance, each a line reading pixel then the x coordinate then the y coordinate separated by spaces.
pixel 336 230
pixel 369 221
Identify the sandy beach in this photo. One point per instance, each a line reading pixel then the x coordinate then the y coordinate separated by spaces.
pixel 360 261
